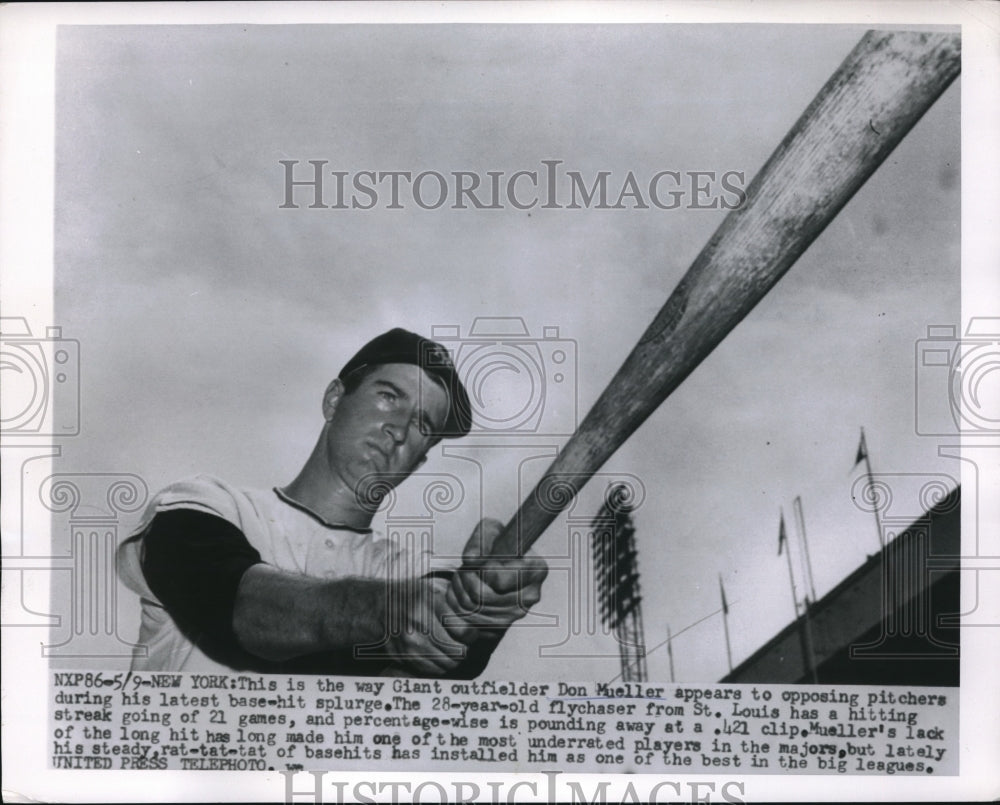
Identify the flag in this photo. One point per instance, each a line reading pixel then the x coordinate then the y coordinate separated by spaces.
pixel 781 534
pixel 722 590
pixel 862 450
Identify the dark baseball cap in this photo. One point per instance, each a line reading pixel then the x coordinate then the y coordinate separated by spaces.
pixel 402 346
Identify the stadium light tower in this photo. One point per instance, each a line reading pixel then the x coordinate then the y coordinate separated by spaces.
pixel 613 545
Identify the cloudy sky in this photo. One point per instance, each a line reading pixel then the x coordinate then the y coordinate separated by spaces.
pixel 211 319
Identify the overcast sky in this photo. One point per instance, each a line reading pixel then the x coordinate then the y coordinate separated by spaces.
pixel 211 320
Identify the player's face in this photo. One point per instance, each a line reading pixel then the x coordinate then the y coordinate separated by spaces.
pixel 385 426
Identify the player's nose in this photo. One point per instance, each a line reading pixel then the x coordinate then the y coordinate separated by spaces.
pixel 396 430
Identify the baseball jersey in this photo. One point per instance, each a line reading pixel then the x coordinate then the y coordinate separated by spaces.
pixel 284 534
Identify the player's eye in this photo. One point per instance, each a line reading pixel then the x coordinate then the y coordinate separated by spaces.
pixel 423 425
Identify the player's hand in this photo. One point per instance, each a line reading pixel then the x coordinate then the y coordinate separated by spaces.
pixel 423 645
pixel 490 593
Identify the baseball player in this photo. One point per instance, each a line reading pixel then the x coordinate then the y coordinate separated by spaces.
pixel 294 580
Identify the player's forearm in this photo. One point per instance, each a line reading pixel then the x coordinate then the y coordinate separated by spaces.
pixel 279 615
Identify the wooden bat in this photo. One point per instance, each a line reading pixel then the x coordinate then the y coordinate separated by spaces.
pixel 869 104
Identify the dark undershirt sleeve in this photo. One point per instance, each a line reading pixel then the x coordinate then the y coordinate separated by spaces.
pixel 193 563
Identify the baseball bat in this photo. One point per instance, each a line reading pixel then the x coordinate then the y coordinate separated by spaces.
pixel 867 106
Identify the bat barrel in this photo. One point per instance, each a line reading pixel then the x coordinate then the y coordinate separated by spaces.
pixel 863 111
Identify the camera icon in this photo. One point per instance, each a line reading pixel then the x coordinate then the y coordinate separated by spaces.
pixel 516 383
pixel 41 381
pixel 958 379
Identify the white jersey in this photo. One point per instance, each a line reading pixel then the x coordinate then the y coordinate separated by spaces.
pixel 286 536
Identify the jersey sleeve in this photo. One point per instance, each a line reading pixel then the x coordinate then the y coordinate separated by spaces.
pixel 192 562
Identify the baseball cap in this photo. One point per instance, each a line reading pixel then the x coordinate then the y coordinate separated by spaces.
pixel 402 346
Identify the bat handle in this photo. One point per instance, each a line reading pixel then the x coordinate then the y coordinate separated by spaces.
pixel 553 493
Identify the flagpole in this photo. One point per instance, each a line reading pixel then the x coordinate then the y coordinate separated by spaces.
pixel 801 525
pixel 863 448
pixel 805 628
pixel 670 653
pixel 725 624
pixel 782 539
pixel 810 652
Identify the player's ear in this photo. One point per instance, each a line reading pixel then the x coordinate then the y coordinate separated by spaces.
pixel 331 397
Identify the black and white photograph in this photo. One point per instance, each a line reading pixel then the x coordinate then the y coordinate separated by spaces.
pixel 504 391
